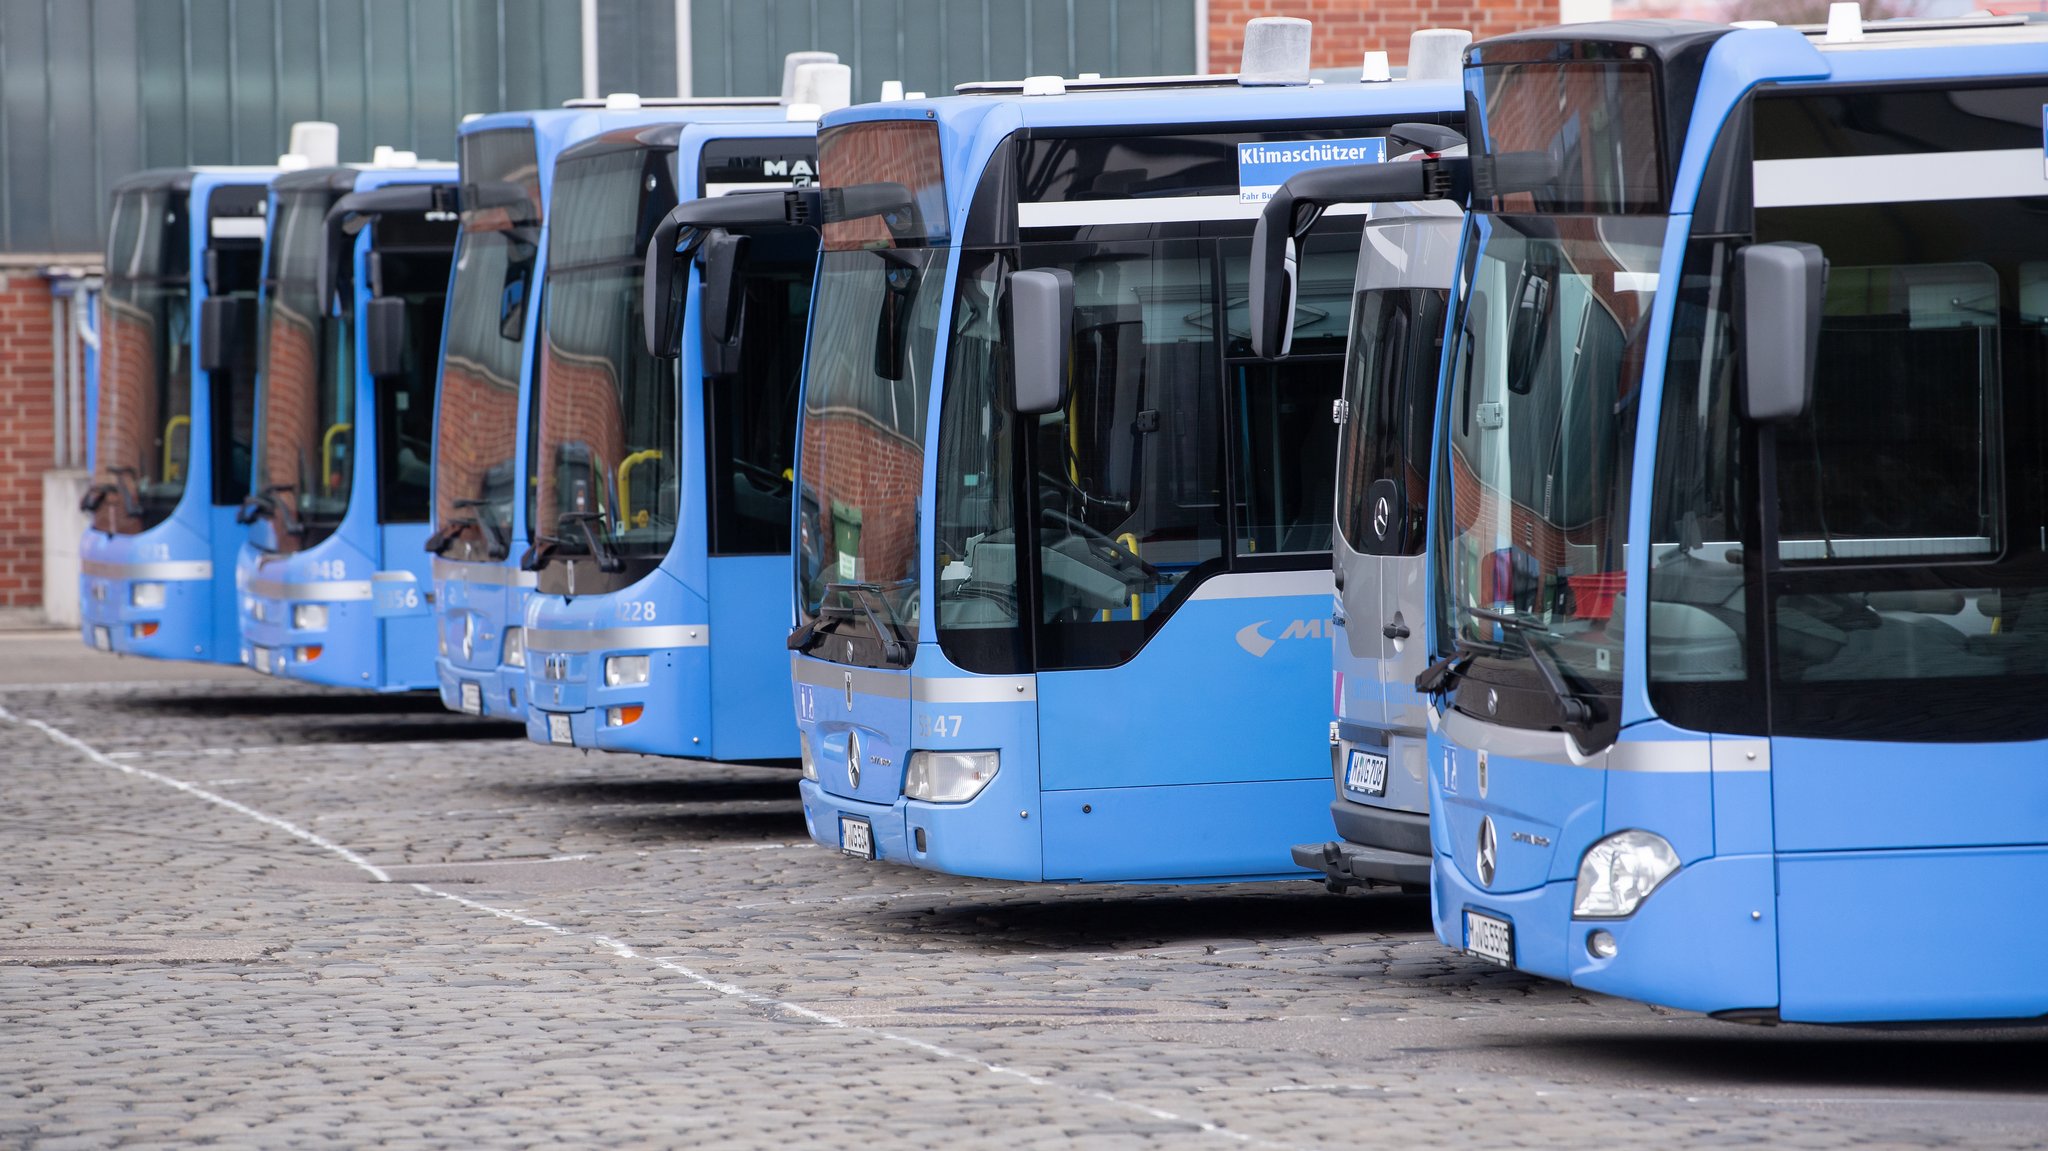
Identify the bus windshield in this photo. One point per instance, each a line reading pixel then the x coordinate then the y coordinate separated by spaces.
pixel 868 378
pixel 145 416
pixel 305 445
pixel 477 427
pixel 605 463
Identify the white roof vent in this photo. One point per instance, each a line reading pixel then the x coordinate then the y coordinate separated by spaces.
pixel 1437 54
pixel 381 154
pixel 1845 22
pixel 829 86
pixel 293 162
pixel 892 91
pixel 622 102
pixel 1045 86
pixel 795 60
pixel 913 95
pixel 1377 69
pixel 1276 52
pixel 803 112
pixel 316 140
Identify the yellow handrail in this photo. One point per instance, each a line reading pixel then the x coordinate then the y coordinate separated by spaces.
pixel 169 428
pixel 1130 543
pixel 626 488
pixel 327 446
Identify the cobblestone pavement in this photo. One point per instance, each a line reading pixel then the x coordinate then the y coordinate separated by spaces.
pixel 242 914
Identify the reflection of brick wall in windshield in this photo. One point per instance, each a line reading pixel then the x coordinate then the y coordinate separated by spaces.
pixel 867 503
pixel 128 402
pixel 581 438
pixel 902 152
pixel 292 425
pixel 477 429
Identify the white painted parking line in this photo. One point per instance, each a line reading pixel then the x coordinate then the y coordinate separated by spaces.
pixel 623 951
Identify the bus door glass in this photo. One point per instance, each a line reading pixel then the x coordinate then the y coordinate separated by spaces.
pixel 145 420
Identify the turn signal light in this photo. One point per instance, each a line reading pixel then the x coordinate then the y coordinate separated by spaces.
pixel 310 652
pixel 621 716
pixel 143 630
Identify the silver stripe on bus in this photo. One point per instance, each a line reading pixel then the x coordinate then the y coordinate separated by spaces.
pixel 974 689
pixel 165 570
pixel 612 638
pixel 394 577
pixel 488 574
pixel 1163 210
pixel 1261 585
pixel 1914 177
pixel 1660 756
pixel 866 680
pixel 328 591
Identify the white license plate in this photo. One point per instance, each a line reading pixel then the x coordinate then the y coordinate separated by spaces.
pixel 856 837
pixel 558 730
pixel 103 639
pixel 1490 938
pixel 1366 772
pixel 264 659
pixel 472 699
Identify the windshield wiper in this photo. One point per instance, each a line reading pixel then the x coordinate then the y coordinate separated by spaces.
pixel 866 597
pixel 265 503
pixel 607 559
pixel 497 544
pixel 96 495
pixel 1572 709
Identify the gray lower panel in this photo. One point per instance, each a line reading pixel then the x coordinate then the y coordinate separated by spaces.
pixel 1398 831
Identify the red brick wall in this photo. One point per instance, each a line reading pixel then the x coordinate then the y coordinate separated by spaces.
pixel 128 418
pixel 26 452
pixel 874 470
pixel 292 427
pixel 478 429
pixel 1347 29
pixel 579 405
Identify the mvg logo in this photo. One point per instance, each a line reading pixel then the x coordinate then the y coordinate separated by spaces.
pixel 1253 638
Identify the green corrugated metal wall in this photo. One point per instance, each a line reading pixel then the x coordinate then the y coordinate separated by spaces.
pixel 91 90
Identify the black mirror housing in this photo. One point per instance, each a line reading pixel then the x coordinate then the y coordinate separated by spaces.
pixel 661 305
pixel 384 331
pixel 1779 290
pixel 1041 339
pixel 721 256
pixel 220 331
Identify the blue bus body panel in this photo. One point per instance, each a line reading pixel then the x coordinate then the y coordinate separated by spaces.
pixel 344 570
pixel 192 551
pixel 713 627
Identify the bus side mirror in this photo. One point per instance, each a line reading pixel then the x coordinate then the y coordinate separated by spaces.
pixel 661 302
pixel 1273 290
pixel 1041 340
pixel 219 333
pixel 1778 294
pixel 384 331
pixel 721 255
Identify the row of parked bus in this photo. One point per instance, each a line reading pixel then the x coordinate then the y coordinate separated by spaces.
pixel 1668 596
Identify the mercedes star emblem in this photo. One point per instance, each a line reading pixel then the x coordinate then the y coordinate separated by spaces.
pixel 1492 701
pixel 1381 516
pixel 853 759
pixel 1489 851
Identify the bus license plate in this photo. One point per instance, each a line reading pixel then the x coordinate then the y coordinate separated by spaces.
pixel 558 730
pixel 263 661
pixel 856 837
pixel 1490 939
pixel 472 699
pixel 1366 773
pixel 103 639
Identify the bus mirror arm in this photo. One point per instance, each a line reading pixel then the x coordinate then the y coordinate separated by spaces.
pixel 1779 289
pixel 1041 339
pixel 1293 212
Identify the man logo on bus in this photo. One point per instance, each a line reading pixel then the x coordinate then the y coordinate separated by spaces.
pixel 799 172
pixel 1253 639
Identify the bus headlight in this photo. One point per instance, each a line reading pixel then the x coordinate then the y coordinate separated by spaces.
pixel 146 595
pixel 625 670
pixel 1619 872
pixel 949 776
pixel 309 616
pixel 803 751
pixel 515 647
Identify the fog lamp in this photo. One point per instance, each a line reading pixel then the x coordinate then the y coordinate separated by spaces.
pixel 949 776
pixel 625 670
pixel 146 595
pixel 1601 945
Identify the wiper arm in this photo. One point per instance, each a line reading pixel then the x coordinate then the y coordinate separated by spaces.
pixel 539 553
pixel 1572 710
pixel 496 539
pixel 866 596
pixel 131 494
pixel 607 559
pixel 265 503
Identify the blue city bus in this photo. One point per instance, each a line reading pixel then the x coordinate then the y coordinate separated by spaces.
pixel 507 164
pixel 1736 538
pixel 1385 419
pixel 173 412
pixel 659 492
pixel 1063 540
pixel 332 577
